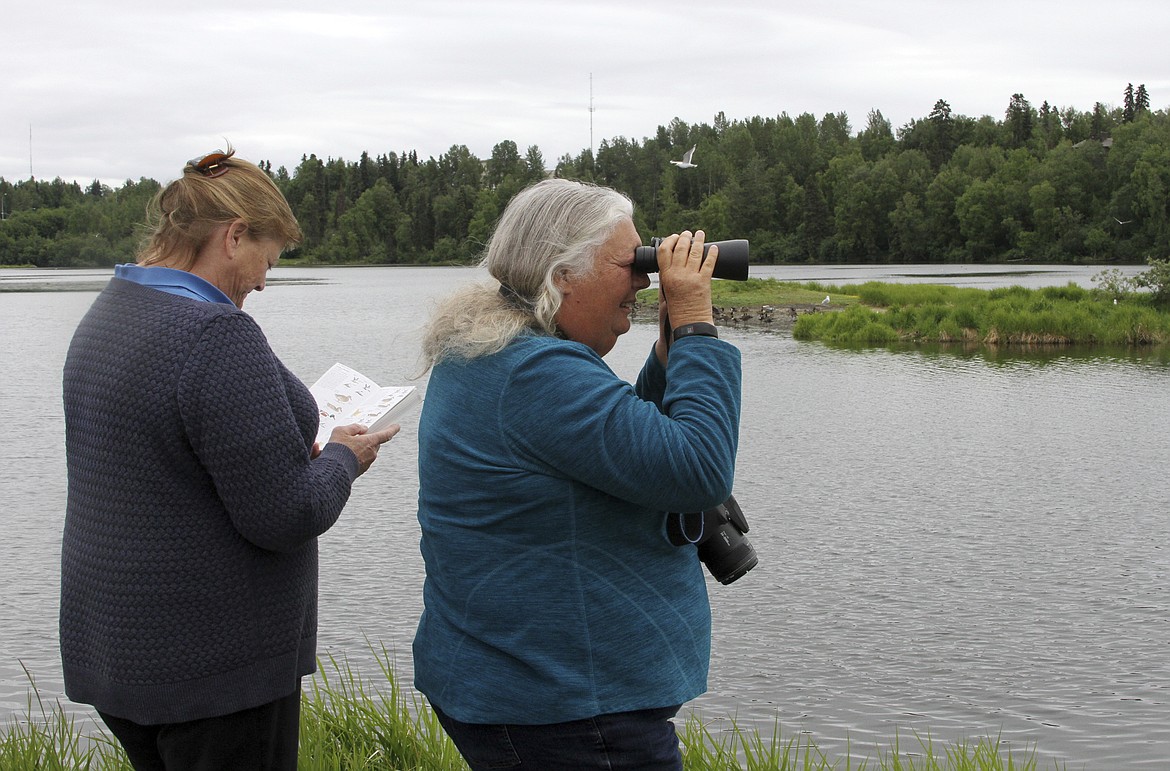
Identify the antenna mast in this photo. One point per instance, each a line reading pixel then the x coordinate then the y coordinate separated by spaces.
pixel 591 114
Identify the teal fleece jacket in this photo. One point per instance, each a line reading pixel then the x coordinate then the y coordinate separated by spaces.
pixel 552 592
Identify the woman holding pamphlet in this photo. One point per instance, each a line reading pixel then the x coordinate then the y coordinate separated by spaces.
pixel 561 627
pixel 196 490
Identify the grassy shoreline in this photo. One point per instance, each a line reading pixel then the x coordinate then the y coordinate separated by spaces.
pixel 348 722
pixel 877 313
pixel 1054 316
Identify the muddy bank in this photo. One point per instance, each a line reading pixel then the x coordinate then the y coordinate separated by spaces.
pixel 747 317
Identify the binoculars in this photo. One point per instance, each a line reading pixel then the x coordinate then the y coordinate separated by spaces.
pixel 732 264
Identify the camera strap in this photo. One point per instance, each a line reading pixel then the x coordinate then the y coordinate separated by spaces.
pixel 678 527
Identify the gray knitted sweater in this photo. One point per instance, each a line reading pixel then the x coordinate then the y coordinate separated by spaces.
pixel 189 553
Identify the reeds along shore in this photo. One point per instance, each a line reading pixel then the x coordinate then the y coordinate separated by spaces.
pixel 1068 315
pixel 348 723
pixel 883 313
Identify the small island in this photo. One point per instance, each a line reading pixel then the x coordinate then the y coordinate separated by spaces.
pixel 1118 311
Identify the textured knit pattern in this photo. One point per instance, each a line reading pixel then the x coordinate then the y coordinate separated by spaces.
pixel 552 592
pixel 189 555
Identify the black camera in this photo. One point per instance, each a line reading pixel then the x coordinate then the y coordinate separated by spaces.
pixel 719 535
pixel 732 264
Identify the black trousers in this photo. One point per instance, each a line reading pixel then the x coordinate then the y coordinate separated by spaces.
pixel 644 740
pixel 263 738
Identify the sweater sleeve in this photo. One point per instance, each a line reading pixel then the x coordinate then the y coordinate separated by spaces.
pixel 564 410
pixel 237 409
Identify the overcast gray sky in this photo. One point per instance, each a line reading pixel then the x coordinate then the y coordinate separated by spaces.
pixel 123 89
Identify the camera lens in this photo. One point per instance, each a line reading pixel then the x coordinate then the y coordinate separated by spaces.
pixel 728 554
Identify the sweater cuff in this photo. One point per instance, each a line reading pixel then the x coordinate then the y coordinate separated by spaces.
pixel 343 455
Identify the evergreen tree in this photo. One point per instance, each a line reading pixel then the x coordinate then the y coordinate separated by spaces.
pixel 534 164
pixel 1048 124
pixel 877 138
pixel 1141 100
pixel 1021 120
pixel 937 136
pixel 1099 124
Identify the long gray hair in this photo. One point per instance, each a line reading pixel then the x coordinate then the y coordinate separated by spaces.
pixel 549 231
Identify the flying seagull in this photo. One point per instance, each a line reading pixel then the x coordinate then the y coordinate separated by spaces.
pixel 1119 222
pixel 685 163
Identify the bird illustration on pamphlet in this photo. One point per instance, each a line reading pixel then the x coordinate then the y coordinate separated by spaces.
pixel 685 163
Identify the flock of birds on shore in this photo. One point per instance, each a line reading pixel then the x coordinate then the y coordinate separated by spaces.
pixel 766 313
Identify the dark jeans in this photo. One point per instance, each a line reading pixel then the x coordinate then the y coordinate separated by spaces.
pixel 626 740
pixel 263 738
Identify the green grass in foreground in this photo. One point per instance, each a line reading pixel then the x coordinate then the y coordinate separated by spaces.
pixel 349 723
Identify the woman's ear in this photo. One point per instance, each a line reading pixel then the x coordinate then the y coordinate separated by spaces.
pixel 561 279
pixel 234 235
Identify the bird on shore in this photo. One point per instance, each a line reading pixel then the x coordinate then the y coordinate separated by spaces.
pixel 825 301
pixel 685 163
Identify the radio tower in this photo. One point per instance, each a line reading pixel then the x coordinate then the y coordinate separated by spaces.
pixel 591 115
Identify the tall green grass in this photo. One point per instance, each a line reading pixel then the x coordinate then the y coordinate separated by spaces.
pixel 877 313
pixel 1013 315
pixel 48 739
pixel 348 723
pixel 353 724
pixel 739 749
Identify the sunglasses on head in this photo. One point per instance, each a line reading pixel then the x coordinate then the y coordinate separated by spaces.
pixel 212 165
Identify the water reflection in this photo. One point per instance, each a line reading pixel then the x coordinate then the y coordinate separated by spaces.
pixel 955 540
pixel 1034 353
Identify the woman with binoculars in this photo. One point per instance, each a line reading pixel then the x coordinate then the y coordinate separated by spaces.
pixel 561 628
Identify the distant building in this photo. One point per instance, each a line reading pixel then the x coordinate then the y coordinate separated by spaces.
pixel 1107 142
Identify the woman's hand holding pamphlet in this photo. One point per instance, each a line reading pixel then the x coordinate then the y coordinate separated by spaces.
pixel 346 396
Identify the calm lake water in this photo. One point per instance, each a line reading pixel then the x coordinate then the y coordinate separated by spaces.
pixel 954 545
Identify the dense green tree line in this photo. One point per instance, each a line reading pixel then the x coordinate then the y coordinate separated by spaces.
pixel 1040 184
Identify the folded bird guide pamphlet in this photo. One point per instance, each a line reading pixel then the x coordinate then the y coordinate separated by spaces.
pixel 346 396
